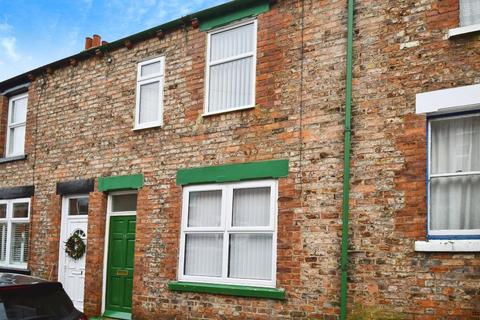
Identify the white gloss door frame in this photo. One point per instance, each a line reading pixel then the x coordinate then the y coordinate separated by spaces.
pixel 71 273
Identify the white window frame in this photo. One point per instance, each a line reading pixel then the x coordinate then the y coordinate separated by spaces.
pixel 9 219
pixel 226 229
pixel 430 176
pixel 13 125
pixel 209 64
pixel 152 78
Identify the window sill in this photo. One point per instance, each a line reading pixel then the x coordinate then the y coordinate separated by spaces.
pixel 226 289
pixel 13 158
pixel 448 246
pixel 9 269
pixel 463 30
pixel 148 125
pixel 207 114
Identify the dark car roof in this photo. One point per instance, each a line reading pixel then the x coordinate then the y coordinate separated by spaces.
pixel 13 279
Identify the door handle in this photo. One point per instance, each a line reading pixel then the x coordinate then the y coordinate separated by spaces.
pixel 77 273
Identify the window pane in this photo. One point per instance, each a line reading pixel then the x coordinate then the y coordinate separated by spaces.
pixel 124 202
pixel 251 207
pixel 469 12
pixel 149 102
pixel 3 242
pixel 455 145
pixel 3 211
pixel 20 210
pixel 19 243
pixel 250 256
pixel 231 85
pixel 232 42
pixel 78 206
pixel 151 68
pixel 17 140
pixel 203 255
pixel 455 203
pixel 19 111
pixel 205 208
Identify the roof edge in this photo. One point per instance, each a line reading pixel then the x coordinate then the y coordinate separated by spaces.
pixel 137 37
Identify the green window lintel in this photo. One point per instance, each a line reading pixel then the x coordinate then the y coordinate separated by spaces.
pixel 134 181
pixel 233 172
pixel 230 12
pixel 227 289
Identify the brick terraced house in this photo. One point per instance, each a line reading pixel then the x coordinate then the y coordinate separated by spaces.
pixel 210 163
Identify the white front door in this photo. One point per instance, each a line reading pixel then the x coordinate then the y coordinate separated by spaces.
pixel 71 271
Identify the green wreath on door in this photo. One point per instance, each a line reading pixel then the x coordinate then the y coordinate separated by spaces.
pixel 75 245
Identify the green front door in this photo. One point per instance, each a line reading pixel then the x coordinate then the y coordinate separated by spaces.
pixel 121 248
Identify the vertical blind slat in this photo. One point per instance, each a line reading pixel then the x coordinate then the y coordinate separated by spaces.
pixel 230 84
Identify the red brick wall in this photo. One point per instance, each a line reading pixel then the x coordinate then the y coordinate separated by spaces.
pixel 402 49
pixel 84 128
pixel 97 208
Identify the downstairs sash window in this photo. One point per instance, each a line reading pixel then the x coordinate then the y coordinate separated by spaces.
pixel 454 176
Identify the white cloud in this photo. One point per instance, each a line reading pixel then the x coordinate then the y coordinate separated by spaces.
pixel 9 45
pixel 4 27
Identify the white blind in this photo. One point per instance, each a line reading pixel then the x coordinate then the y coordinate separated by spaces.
pixel 149 93
pixel 251 207
pixel 231 72
pixel 203 255
pixel 455 149
pixel 231 85
pixel 149 99
pixel 229 231
pixel 232 42
pixel 19 243
pixel 204 209
pixel 469 12
pixel 250 256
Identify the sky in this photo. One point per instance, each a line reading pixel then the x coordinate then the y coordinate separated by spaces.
pixel 36 32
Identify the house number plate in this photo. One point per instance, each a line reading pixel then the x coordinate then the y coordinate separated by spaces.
pixel 122 272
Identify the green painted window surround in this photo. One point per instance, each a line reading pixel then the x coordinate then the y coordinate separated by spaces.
pixel 249 9
pixel 227 289
pixel 134 181
pixel 233 172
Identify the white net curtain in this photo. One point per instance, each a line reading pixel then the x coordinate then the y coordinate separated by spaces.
pixel 455 199
pixel 469 12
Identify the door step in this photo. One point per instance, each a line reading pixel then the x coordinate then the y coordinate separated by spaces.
pixel 110 314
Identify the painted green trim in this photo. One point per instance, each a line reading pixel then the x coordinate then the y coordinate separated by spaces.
pixel 227 289
pixel 233 172
pixel 134 181
pixel 117 315
pixel 346 165
pixel 248 11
